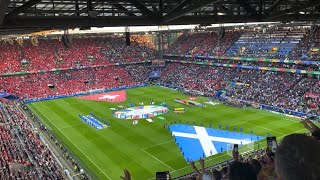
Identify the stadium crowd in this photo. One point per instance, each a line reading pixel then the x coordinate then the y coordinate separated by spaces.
pixel 283 90
pixel 202 44
pixel 139 72
pixel 205 79
pixel 23 155
pixel 46 54
pixel 271 43
pixel 66 82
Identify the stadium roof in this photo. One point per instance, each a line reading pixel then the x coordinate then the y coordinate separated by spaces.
pixel 22 16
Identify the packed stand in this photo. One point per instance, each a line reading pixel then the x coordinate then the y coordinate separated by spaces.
pixel 283 90
pixel 309 46
pixel 115 50
pixel 23 154
pixel 273 43
pixel 204 79
pixel 312 96
pixel 66 82
pixel 139 72
pixel 46 54
pixel 10 55
pixel 202 44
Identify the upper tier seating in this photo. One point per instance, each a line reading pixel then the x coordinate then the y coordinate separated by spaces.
pixel 275 43
pixel 48 54
pixel 202 44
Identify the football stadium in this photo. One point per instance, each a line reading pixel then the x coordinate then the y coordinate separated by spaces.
pixel 159 90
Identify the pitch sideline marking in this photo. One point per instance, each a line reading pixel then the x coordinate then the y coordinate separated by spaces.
pixel 65 102
pixel 73 143
pixel 158 159
pixel 158 144
pixel 265 128
pixel 71 126
pixel 282 116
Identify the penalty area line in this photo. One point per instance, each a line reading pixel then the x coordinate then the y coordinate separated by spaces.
pixel 74 144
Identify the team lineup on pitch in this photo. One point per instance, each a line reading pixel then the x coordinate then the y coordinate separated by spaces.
pixel 163 139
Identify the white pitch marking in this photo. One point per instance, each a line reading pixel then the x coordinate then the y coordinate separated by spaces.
pixel 264 128
pixel 157 159
pixel 70 126
pixel 74 144
pixel 157 144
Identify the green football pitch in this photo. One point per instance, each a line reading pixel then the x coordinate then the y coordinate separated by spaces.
pixel 147 147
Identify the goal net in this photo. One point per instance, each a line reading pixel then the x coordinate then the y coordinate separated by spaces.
pixel 243 148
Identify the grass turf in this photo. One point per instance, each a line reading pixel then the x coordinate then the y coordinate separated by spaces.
pixel 147 147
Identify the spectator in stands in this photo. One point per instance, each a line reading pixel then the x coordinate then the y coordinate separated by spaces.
pixel 256 166
pixel 23 155
pixel 312 128
pixel 241 171
pixel 196 171
pixel 267 171
pixel 297 158
pixel 126 176
pixel 216 174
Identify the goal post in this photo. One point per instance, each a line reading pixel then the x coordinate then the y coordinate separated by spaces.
pixel 243 148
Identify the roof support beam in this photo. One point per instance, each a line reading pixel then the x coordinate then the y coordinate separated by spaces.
pixel 160 7
pixel 72 22
pixel 292 10
pixel 22 8
pixel 121 8
pixel 3 9
pixel 77 7
pixel 89 5
pixel 177 14
pixel 247 7
pixel 142 7
pixel 273 6
pixel 224 9
pixel 179 6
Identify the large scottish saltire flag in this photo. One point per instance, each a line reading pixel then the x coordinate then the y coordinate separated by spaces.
pixel 197 142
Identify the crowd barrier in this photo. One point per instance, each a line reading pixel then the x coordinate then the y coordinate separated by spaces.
pixel 96 91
